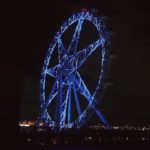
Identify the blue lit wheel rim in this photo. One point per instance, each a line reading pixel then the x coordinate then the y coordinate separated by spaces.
pixel 66 75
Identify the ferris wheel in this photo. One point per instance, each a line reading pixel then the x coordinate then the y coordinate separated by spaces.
pixel 68 82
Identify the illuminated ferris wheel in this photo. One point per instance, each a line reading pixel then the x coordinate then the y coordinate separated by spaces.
pixel 68 83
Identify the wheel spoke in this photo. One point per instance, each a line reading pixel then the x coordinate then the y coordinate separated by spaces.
pixel 77 101
pixel 69 105
pixel 52 94
pixel 75 39
pixel 65 98
pixel 62 52
pixel 85 92
pixel 83 55
pixel 82 87
pixel 53 71
pixel 59 102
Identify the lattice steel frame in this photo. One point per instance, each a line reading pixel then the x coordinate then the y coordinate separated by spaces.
pixel 67 77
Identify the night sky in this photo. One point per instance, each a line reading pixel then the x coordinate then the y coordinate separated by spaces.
pixel 27 30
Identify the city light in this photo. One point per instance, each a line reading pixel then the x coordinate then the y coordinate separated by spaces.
pixel 26 123
pixel 95 134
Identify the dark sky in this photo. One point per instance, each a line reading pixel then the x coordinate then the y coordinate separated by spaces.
pixel 27 29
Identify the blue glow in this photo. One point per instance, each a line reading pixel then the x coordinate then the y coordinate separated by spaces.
pixel 77 101
pixel 67 76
